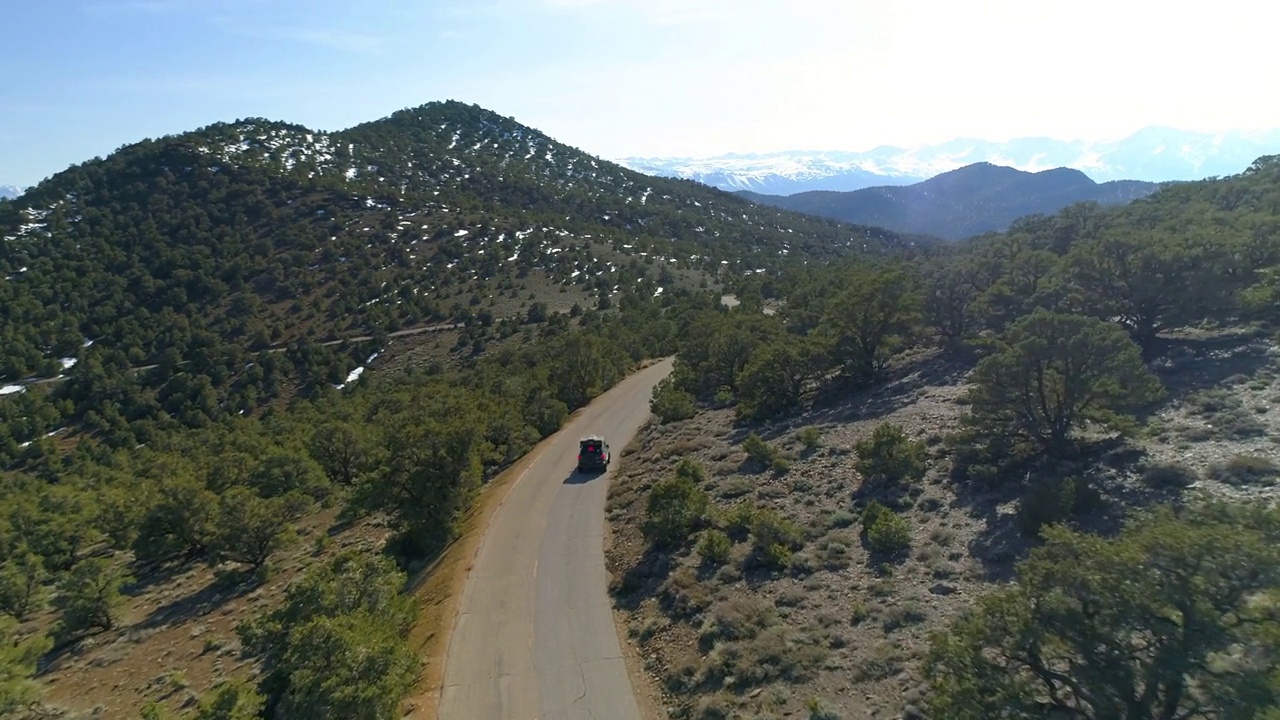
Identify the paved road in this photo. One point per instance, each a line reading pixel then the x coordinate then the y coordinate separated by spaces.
pixel 535 636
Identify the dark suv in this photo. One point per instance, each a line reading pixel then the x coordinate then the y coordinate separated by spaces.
pixel 593 454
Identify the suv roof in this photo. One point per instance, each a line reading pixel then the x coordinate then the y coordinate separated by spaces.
pixel 591 438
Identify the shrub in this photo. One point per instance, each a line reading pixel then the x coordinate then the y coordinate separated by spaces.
pixel 761 452
pixel 887 533
pixel 1168 475
pixel 1245 470
pixel 670 403
pixel 810 438
pixel 692 470
pixel 675 509
pixel 775 537
pixel 889 455
pixel 714 547
pixel 1054 501
pixel 739 519
pixel 778 653
pixel 820 709
pixel 740 618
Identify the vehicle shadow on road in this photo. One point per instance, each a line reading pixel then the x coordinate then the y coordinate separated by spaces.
pixel 582 478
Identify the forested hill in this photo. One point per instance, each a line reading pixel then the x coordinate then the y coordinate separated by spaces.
pixel 263 231
pixel 968 201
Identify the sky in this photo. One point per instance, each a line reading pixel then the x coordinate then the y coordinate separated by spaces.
pixel 622 78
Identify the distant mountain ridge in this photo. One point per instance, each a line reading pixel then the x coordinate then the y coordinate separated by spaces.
pixel 969 201
pixel 1153 154
pixel 9 191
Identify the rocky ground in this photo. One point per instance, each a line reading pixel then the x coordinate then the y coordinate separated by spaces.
pixel 839 634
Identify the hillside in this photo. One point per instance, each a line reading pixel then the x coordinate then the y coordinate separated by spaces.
pixel 962 203
pixel 260 234
pixel 1152 154
pixel 245 366
pixel 828 520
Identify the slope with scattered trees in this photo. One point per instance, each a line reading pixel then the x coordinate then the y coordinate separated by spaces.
pixel 1081 405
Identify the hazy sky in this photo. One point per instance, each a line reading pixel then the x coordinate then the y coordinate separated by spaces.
pixel 634 77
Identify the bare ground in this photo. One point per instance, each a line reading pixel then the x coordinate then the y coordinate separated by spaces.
pixel 843 630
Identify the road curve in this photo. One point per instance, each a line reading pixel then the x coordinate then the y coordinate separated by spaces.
pixel 534 637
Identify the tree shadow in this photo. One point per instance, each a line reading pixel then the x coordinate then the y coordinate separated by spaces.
pixel 1106 494
pixel 643 580
pixel 222 589
pixel 1186 366
pixel 900 386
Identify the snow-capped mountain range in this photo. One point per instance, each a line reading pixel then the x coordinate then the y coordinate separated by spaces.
pixel 9 191
pixel 1155 154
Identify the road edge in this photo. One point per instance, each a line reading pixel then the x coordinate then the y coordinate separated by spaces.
pixel 644 685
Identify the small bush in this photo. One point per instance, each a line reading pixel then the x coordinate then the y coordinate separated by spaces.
pixel 883 662
pixel 909 612
pixel 1239 424
pixel 835 551
pixel 739 519
pixel 778 653
pixel 1226 413
pixel 1055 501
pixel 889 455
pixel 887 533
pixel 714 547
pixel 683 595
pixel 1245 470
pixel 761 452
pixel 810 438
pixel 820 709
pixel 670 403
pixel 1168 475
pixel 775 537
pixel 740 618
pixel 675 509
pixel 692 470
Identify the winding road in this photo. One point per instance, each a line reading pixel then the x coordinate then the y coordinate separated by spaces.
pixel 534 637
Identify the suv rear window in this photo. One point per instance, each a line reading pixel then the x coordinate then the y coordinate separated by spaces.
pixel 591 447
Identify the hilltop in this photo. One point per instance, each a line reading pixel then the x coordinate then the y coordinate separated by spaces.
pixel 968 201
